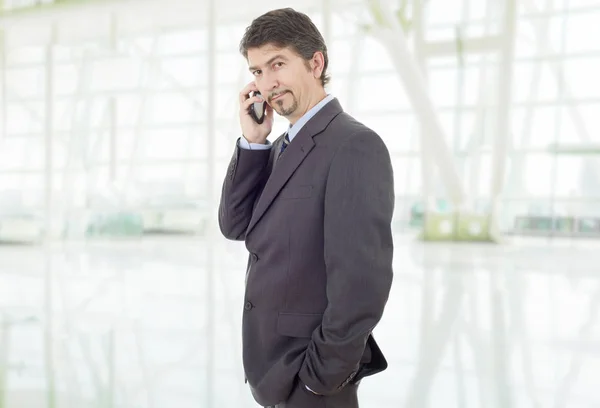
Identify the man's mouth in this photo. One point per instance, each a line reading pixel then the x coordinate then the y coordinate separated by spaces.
pixel 273 98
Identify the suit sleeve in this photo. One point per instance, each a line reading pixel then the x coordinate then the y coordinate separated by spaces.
pixel 359 204
pixel 246 176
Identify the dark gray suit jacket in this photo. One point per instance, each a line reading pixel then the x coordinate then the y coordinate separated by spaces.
pixel 317 224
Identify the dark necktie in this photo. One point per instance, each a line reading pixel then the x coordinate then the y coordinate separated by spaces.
pixel 286 142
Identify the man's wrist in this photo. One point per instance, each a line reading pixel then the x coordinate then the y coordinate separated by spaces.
pixel 245 144
pixel 264 142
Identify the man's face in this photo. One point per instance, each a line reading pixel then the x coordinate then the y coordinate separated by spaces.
pixel 284 79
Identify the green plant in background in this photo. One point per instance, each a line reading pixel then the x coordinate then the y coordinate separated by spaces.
pixel 380 21
pixel 401 15
pixel 456 226
pixel 118 224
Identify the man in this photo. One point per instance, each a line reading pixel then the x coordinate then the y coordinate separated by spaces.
pixel 314 208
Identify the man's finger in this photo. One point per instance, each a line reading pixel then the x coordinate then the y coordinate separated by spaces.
pixel 255 99
pixel 244 93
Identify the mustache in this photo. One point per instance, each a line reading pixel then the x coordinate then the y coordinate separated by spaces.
pixel 274 94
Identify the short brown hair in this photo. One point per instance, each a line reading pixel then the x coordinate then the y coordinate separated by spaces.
pixel 286 28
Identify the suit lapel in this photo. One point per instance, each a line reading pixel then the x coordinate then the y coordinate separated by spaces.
pixel 293 156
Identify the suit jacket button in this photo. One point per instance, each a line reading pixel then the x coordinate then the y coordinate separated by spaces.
pixel 254 257
pixel 248 306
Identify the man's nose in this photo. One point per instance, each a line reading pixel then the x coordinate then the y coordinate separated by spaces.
pixel 270 81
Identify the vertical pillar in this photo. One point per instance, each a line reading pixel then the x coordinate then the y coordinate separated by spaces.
pixel 3 83
pixel 327 21
pixel 112 364
pixel 502 139
pixel 211 132
pixel 112 108
pixel 49 331
pixel 4 347
pixel 558 118
pixel 426 158
pixel 48 129
pixel 49 186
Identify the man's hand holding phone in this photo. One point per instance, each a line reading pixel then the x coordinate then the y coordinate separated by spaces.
pixel 253 131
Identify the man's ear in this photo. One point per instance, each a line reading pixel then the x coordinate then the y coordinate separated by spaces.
pixel 317 63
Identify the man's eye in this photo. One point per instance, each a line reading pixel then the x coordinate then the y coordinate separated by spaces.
pixel 278 64
pixel 257 72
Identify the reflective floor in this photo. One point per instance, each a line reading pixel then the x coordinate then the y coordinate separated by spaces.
pixel 155 323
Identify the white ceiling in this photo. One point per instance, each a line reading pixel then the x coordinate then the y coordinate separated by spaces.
pixel 91 19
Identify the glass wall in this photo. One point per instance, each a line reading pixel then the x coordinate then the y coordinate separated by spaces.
pixel 104 132
pixel 128 110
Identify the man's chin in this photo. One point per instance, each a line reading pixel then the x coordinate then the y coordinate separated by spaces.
pixel 283 113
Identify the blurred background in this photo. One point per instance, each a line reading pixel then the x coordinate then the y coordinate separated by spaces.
pixel 117 122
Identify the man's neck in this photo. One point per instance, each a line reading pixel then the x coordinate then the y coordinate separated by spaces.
pixel 318 98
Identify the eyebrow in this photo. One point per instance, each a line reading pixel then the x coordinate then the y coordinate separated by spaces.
pixel 269 61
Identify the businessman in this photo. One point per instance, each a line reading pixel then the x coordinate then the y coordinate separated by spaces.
pixel 314 208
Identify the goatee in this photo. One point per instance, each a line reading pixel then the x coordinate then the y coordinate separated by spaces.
pixel 286 111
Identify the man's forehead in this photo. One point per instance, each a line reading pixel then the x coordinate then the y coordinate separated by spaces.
pixel 262 54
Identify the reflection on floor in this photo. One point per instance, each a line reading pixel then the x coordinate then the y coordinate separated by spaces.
pixel 156 323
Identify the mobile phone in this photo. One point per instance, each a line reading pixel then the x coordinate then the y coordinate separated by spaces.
pixel 257 109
